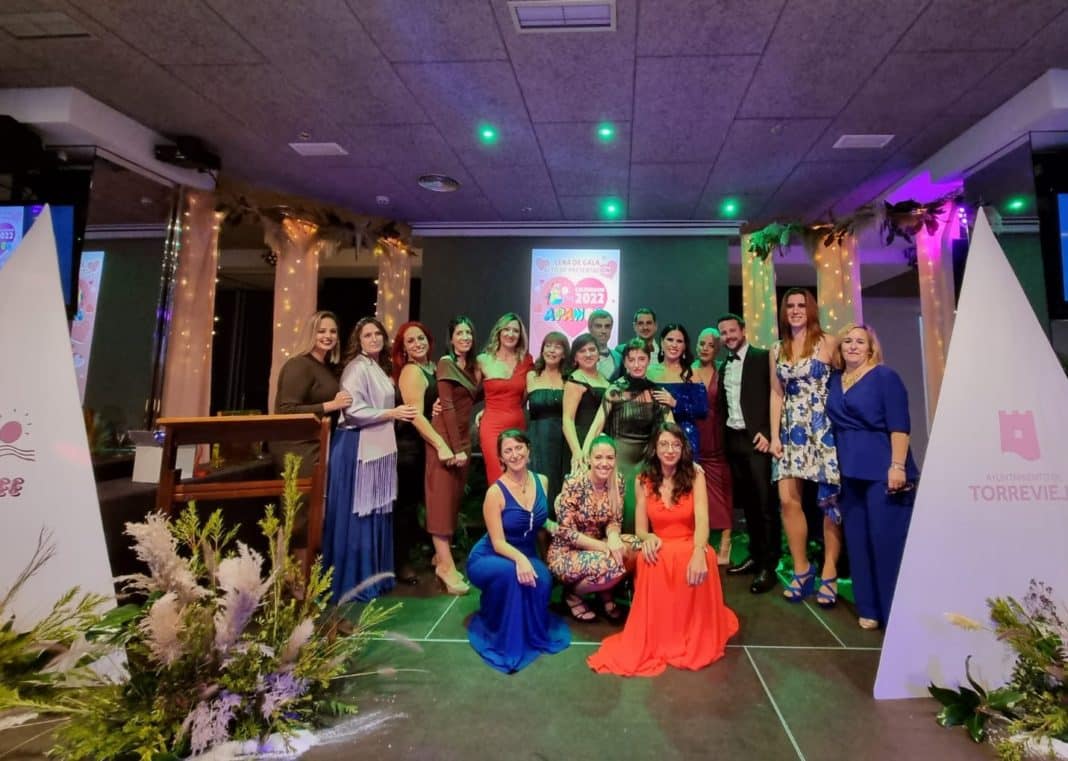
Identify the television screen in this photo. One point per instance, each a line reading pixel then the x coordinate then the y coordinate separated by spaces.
pixel 1062 229
pixel 17 219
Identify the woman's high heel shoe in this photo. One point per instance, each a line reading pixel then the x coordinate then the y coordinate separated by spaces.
pixel 458 588
pixel 868 624
pixel 804 583
pixel 829 598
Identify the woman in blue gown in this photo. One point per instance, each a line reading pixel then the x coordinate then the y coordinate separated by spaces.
pixel 869 407
pixel 685 396
pixel 513 625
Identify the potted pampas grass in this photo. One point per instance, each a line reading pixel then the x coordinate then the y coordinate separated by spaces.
pixel 229 655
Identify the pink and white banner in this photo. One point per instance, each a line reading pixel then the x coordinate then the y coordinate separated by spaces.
pixel 46 477
pixel 566 285
pixel 991 512
pixel 90 273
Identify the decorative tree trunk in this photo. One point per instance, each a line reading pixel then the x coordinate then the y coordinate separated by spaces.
pixel 759 306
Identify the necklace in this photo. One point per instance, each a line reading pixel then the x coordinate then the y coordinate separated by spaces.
pixel 850 377
pixel 521 488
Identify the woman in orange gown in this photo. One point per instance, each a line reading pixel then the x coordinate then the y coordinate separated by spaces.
pixel 504 364
pixel 678 617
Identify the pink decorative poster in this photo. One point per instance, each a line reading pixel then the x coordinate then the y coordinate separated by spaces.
pixel 566 285
pixel 81 328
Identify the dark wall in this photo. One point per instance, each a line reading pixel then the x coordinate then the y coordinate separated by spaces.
pixel 120 366
pixel 1024 253
pixel 681 279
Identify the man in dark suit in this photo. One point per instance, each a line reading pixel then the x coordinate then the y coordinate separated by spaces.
pixel 745 408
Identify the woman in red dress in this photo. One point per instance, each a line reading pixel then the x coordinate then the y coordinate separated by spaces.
pixel 503 364
pixel 678 617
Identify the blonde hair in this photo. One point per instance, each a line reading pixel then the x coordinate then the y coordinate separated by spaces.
pixel 308 334
pixel 615 503
pixel 493 345
pixel 875 349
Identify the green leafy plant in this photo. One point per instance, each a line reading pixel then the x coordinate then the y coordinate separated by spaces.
pixel 1032 709
pixel 218 651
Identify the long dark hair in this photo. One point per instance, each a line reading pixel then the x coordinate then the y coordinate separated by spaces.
pixel 686 360
pixel 352 349
pixel 652 474
pixel 454 323
pixel 558 338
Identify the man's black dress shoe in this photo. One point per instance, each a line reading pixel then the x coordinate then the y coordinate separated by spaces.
pixel 746 566
pixel 764 581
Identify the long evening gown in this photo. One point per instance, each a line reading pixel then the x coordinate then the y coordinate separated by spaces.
pixel 504 410
pixel 713 462
pixel 411 476
pixel 545 428
pixel 671 623
pixel 589 403
pixel 444 486
pixel 513 625
pixel 631 420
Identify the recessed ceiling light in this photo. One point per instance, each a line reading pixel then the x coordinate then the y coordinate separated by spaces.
pixel 439 183
pixel 611 208
pixel 563 15
pixel 1016 205
pixel 382 200
pixel 606 132
pixel 318 149
pixel 304 135
pixel 729 207
pixel 863 141
pixel 487 133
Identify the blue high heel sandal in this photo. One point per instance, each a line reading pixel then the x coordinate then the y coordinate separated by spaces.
pixel 805 582
pixel 829 598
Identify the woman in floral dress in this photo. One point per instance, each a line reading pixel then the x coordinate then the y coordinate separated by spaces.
pixel 802 441
pixel 588 553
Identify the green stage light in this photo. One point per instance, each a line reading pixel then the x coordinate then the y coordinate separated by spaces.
pixel 729 208
pixel 606 132
pixel 611 208
pixel 487 133
pixel 1016 205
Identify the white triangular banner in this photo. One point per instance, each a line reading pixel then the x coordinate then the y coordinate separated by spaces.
pixel 46 475
pixel 991 512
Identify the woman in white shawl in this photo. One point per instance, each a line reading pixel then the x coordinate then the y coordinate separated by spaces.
pixel 358 532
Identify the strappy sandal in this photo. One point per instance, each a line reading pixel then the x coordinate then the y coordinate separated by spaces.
pixel 829 598
pixel 578 608
pixel 804 581
pixel 611 609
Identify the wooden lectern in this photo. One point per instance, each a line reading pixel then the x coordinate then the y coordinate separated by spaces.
pixel 247 429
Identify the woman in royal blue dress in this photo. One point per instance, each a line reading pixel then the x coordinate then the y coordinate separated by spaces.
pixel 679 391
pixel 513 625
pixel 869 407
pixel 358 530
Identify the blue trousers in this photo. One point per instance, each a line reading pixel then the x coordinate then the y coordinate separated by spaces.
pixel 875 525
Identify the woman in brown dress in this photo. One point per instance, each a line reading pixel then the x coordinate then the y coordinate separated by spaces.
pixel 457 380
pixel 712 459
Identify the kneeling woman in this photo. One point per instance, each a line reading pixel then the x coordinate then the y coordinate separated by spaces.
pixel 588 553
pixel 513 625
pixel 678 617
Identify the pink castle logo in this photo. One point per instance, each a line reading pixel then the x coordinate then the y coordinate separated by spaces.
pixel 1018 434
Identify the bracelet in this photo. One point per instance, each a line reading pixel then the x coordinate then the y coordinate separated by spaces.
pixel 897 466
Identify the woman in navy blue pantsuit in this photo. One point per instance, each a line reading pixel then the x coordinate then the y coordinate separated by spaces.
pixel 869 406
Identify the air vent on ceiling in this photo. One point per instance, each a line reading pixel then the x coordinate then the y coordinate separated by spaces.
pixel 319 149
pixel 863 141
pixel 41 25
pixel 563 15
pixel 439 183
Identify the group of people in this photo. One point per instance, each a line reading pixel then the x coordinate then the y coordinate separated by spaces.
pixel 629 457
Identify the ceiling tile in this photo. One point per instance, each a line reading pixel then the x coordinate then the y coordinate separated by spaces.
pixel 758 155
pixel 518 192
pixel 172 33
pixel 581 208
pixel 458 97
pixel 411 144
pixel 821 52
pixel 1046 50
pixel 418 30
pixel 364 92
pixel 358 188
pixel 670 123
pixel 814 186
pixel 709 27
pixel 665 191
pixel 580 164
pixel 574 76
pixel 979 24
pixel 287 31
pixel 748 204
